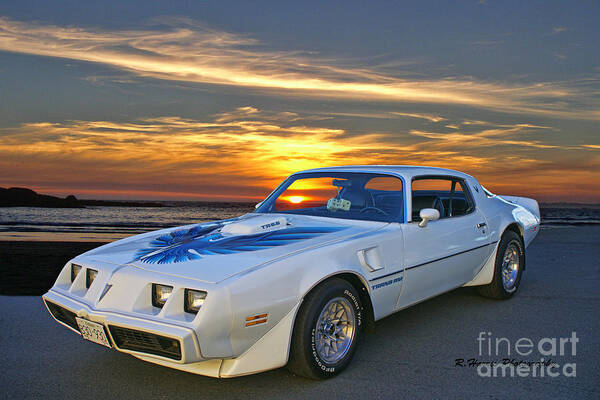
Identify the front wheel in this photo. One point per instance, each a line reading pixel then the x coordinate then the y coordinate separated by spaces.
pixel 510 262
pixel 326 330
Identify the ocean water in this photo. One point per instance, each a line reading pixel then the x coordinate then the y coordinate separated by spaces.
pixel 106 223
pixel 570 215
pixel 112 223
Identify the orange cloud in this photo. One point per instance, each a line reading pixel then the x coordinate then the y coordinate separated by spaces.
pixel 250 155
pixel 244 153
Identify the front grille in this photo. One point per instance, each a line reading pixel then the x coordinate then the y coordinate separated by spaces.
pixel 145 342
pixel 63 315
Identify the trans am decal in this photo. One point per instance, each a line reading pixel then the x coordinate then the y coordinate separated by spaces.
pixel 386 283
pixel 205 240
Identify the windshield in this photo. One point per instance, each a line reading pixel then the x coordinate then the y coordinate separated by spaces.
pixel 349 195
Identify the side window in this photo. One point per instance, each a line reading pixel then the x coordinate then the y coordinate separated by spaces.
pixel 460 203
pixel 447 195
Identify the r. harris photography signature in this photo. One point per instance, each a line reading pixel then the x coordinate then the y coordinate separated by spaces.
pixel 475 362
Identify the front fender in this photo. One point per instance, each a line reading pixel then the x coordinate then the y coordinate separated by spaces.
pixel 275 289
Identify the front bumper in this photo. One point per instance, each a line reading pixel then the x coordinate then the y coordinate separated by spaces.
pixel 269 352
pixel 129 334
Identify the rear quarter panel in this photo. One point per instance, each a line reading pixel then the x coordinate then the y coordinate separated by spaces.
pixel 499 214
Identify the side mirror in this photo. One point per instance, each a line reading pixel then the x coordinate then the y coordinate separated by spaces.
pixel 428 214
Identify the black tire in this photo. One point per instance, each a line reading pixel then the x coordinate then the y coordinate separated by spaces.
pixel 496 289
pixel 304 357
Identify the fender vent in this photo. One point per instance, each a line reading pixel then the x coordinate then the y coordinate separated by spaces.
pixel 63 315
pixel 145 342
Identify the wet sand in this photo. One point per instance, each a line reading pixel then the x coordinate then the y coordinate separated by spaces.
pixel 30 268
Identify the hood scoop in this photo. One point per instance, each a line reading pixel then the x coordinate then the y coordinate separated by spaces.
pixel 252 226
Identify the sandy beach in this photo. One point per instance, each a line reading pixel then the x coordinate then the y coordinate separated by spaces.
pixel 30 268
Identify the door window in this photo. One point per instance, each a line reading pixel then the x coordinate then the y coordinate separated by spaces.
pixel 448 195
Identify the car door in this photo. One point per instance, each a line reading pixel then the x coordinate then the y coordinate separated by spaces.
pixel 445 253
pixel 380 252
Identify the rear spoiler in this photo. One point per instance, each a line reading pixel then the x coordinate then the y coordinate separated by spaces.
pixel 525 202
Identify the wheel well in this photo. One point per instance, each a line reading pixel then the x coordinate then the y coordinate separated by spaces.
pixel 365 300
pixel 518 229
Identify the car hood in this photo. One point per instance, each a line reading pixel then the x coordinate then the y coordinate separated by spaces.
pixel 215 251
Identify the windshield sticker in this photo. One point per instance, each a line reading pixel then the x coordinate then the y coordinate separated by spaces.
pixel 338 204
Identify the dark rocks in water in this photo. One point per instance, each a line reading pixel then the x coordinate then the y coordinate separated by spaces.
pixel 23 197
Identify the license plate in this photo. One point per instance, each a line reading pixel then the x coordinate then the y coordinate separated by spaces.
pixel 92 331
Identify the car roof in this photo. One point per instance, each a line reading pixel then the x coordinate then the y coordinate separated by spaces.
pixel 408 171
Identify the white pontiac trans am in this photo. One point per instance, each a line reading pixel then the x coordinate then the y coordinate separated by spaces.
pixel 329 252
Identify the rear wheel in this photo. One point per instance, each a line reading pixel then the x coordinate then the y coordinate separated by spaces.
pixel 510 261
pixel 326 330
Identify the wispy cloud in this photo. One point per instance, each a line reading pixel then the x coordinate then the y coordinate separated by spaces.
pixel 487 42
pixel 245 152
pixel 507 135
pixel 428 117
pixel 387 115
pixel 183 50
pixel 558 29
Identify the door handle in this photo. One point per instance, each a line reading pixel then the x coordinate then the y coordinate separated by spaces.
pixel 481 225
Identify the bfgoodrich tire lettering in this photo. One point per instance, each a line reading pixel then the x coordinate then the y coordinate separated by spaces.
pixel 510 262
pixel 326 330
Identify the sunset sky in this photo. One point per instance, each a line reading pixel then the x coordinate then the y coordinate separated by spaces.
pixel 220 100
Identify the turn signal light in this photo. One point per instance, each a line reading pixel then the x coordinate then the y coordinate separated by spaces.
pixel 256 319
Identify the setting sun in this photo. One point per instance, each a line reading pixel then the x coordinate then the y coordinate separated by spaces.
pixel 296 199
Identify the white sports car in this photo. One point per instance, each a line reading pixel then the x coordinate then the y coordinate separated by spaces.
pixel 329 252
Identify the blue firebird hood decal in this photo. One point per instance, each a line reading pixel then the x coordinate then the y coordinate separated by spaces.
pixel 205 240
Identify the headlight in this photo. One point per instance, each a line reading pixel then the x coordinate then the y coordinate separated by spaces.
pixel 74 271
pixel 90 275
pixel 160 294
pixel 193 300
